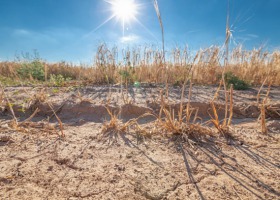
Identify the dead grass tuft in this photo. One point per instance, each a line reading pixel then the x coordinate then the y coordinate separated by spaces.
pixel 114 128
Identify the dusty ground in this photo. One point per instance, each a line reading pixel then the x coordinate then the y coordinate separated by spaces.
pixel 35 163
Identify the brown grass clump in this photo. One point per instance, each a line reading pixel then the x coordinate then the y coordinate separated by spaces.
pixel 181 127
pixel 115 127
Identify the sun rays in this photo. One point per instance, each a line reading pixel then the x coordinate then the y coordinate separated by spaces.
pixel 124 11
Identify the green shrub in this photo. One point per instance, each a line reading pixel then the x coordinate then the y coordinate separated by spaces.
pixel 33 69
pixel 58 80
pixel 31 66
pixel 237 83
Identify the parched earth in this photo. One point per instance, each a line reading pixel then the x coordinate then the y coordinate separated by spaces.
pixel 37 163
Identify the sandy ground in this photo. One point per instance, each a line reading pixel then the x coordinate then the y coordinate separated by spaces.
pixel 35 163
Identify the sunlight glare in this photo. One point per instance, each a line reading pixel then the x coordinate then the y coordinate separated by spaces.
pixel 124 10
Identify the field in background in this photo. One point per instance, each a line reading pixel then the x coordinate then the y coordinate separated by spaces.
pixel 145 65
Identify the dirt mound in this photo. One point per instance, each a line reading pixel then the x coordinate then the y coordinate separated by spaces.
pixel 98 113
pixel 93 112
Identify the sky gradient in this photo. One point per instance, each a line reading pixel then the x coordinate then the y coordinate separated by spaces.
pixel 69 30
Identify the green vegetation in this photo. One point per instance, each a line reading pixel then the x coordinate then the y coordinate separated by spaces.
pixel 58 80
pixel 32 70
pixel 31 67
pixel 237 83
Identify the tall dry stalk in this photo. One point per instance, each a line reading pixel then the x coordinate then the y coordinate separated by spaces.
pixel 58 119
pixel 263 120
pixel 259 92
pixel 163 49
pixel 46 72
pixel 161 26
pixel 263 109
pixel 228 34
pixel 226 100
pixel 230 106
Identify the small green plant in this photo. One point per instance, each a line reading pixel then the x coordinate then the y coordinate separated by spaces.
pixel 58 80
pixel 125 74
pixel 237 83
pixel 55 90
pixel 128 74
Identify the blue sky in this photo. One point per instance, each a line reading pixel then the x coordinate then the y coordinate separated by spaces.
pixel 65 30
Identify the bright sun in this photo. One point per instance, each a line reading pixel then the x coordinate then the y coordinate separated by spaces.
pixel 123 10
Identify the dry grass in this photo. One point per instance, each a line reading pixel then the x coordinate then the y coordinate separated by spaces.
pixel 145 65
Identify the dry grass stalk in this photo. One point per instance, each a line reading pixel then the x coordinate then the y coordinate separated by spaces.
pixel 46 72
pixel 166 88
pixel 58 119
pixel 109 96
pixel 181 103
pixel 259 92
pixel 263 110
pixel 224 127
pixel 161 26
pixel 263 120
pixel 267 93
pixel 124 95
pixel 9 104
pixel 231 106
pixel 215 119
pixel 226 100
pixel 228 35
pixel 162 105
pixel 31 116
pixel 188 109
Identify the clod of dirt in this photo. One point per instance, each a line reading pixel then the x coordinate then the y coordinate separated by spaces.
pixel 63 161
pixel 274 126
pixel 5 180
pixel 5 140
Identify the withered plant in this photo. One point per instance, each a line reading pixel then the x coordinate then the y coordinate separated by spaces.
pixel 115 127
pixel 223 126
